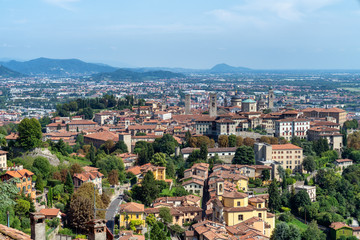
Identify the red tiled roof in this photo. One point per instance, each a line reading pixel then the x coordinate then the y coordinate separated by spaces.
pixel 11 233
pixel 287 146
pixel 19 173
pixel 50 211
pixel 132 207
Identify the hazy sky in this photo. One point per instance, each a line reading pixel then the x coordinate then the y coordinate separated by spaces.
pixel 262 34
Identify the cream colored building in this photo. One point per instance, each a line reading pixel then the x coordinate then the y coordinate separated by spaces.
pixel 289 156
pixel 3 159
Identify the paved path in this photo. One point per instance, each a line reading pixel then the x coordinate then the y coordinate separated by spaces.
pixel 111 212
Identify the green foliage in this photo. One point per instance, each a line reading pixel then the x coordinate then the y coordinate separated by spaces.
pixel 165 215
pixel 29 134
pixel 157 232
pixel 150 220
pixel 42 165
pixel 120 145
pixel 321 146
pixel 301 200
pixel 166 144
pixel 203 151
pixel 39 184
pixel 274 196
pixel 108 163
pixel 351 124
pixel 309 164
pixel 232 141
pixel 265 175
pixel 284 231
pixel 22 207
pixel 145 151
pixel 244 155
pixel 148 191
pixel 159 159
pixel 313 232
pixel 69 185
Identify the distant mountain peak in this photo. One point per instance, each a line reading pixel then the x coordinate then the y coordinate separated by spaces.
pixel 225 68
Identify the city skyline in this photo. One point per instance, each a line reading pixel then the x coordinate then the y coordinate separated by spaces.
pixel 259 34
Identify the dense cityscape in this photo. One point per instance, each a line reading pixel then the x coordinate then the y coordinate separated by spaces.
pixel 179 120
pixel 220 155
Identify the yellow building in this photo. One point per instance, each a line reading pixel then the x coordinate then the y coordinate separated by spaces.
pixel 24 183
pixel 132 213
pixel 159 172
pixel 232 208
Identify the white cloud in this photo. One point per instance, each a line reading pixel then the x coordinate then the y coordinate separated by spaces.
pixel 65 4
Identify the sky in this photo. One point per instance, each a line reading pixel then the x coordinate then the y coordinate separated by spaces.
pixel 259 34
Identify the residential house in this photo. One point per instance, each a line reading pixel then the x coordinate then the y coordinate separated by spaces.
pixel 132 212
pixel 343 163
pixel 89 174
pixel 51 213
pixel 24 183
pixel 339 229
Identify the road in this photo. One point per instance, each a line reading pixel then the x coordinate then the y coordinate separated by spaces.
pixel 111 212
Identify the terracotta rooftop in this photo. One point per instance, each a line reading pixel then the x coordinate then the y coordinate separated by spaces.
pixel 338 225
pixel 50 211
pixel 19 173
pixel 132 207
pixel 7 233
pixel 287 146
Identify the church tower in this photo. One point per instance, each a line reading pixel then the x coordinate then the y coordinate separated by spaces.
pixel 271 98
pixel 213 105
pixel 187 104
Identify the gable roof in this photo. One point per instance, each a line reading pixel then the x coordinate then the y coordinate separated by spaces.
pixel 11 233
pixel 132 207
pixel 19 173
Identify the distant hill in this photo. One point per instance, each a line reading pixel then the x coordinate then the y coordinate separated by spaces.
pixel 8 73
pixel 224 68
pixel 58 67
pixel 217 69
pixel 125 74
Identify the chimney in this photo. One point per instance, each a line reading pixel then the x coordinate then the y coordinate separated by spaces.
pixel 37 221
pixel 97 229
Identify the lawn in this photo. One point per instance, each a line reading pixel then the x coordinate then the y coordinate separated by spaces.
pixel 302 226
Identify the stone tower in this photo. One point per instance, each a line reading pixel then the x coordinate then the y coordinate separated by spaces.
pixel 97 229
pixel 37 221
pixel 213 105
pixel 271 98
pixel 187 104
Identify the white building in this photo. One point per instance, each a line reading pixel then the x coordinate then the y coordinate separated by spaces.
pixel 3 160
pixel 292 127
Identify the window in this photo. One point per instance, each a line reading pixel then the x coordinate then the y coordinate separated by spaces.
pixel 240 217
pixel 259 205
pixel 259 215
pixel 137 215
pixel 238 204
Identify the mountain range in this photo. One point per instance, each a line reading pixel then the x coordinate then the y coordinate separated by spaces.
pixel 57 67
pixel 8 73
pixel 133 76
pixel 76 67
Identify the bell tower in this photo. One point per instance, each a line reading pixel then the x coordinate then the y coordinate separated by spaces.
pixel 271 98
pixel 213 105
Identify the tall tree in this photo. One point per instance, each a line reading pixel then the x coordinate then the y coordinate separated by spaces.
pixel 309 164
pixel 69 185
pixel 274 196
pixel 244 155
pixel 42 165
pixel 239 141
pixel 223 141
pixel 204 151
pixel 265 174
pixel 113 177
pixel 313 232
pixel 285 232
pixel 29 133
pixel 121 146
pixel 159 159
pixel 82 207
pixel 232 141
pixel 166 144
pixel 157 233
pixel 148 191
pixel 165 215
pixel 92 154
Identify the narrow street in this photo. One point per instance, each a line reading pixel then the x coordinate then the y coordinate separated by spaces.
pixel 112 210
